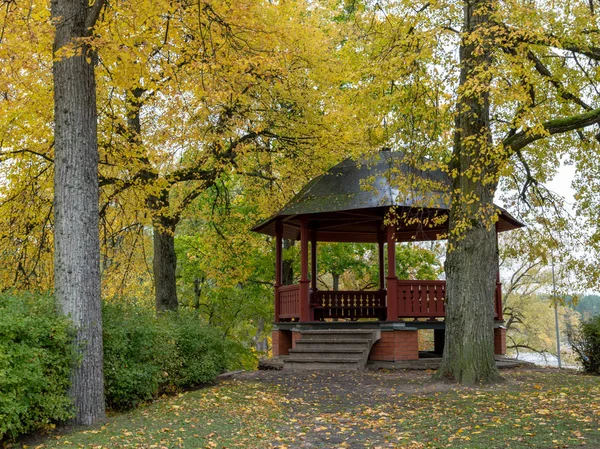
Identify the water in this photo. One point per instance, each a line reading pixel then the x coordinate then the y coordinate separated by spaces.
pixel 544 360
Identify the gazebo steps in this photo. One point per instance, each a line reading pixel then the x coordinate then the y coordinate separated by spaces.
pixel 338 365
pixel 335 349
pixel 326 349
pixel 328 346
pixel 327 356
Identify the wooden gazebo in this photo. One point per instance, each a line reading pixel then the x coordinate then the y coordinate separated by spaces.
pixel 352 202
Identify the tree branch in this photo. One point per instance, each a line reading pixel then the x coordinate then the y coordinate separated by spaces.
pixel 93 15
pixel 523 138
pixel 543 70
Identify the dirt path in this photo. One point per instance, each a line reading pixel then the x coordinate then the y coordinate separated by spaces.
pixel 328 409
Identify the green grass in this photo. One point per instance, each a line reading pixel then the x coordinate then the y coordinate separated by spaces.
pixel 533 409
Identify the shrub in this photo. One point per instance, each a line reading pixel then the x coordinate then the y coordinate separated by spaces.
pixel 136 349
pixel 36 356
pixel 202 351
pixel 145 355
pixel 585 341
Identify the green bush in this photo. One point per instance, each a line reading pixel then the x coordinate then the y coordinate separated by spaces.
pixel 136 348
pixel 35 360
pixel 585 341
pixel 145 355
pixel 202 351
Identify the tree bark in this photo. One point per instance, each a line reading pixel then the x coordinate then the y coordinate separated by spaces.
pixel 164 263
pixel 76 196
pixel 336 281
pixel 471 263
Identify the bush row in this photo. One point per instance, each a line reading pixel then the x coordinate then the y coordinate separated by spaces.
pixel 144 356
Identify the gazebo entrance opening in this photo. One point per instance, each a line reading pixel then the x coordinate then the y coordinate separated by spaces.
pixel 336 207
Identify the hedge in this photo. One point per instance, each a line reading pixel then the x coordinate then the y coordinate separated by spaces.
pixel 144 356
pixel 36 356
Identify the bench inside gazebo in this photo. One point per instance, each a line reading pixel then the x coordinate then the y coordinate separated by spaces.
pixel 343 329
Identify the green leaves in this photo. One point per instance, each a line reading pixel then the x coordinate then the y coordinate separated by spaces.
pixel 36 356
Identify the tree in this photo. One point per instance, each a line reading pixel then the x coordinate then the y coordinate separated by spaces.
pixel 245 90
pixel 525 78
pixel 77 246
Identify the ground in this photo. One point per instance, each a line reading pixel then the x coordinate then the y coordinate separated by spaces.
pixel 533 408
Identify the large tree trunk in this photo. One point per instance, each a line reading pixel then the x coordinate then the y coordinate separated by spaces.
pixel 76 238
pixel 471 263
pixel 164 262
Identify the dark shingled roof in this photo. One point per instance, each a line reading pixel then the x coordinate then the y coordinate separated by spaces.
pixel 349 202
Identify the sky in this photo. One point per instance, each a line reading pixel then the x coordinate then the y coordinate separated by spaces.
pixel 561 183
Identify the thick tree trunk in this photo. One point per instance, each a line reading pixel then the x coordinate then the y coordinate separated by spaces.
pixel 471 263
pixel 164 264
pixel 76 238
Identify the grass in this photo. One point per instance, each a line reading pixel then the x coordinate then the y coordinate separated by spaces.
pixel 533 409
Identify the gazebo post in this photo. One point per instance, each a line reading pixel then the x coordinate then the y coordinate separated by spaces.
pixel 313 259
pixel 278 265
pixel 392 280
pixel 304 282
pixel 380 243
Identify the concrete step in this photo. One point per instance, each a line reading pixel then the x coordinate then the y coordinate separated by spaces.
pixel 326 349
pixel 333 345
pixel 349 365
pixel 326 356
pixel 337 334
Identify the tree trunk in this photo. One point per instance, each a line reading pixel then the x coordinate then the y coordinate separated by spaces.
pixel 76 196
pixel 336 281
pixel 471 262
pixel 164 264
pixel 198 282
pixel 260 341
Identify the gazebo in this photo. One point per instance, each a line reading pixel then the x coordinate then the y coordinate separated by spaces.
pixel 350 203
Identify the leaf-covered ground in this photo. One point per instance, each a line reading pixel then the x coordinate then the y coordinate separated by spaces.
pixel 532 409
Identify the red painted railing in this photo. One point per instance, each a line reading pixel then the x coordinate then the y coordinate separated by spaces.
pixel 348 304
pixel 421 299
pixel 416 299
pixel 427 299
pixel 288 297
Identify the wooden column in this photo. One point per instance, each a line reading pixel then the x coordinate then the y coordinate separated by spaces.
pixel 313 259
pixel 278 265
pixel 304 282
pixel 380 243
pixel 392 280
pixel 498 290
